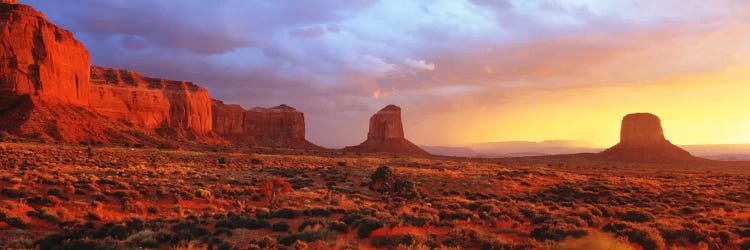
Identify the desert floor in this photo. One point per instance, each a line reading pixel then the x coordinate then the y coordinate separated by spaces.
pixel 77 197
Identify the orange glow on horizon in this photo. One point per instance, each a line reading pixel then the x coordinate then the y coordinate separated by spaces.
pixel 707 108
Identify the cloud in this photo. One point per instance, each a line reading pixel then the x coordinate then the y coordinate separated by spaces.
pixel 380 94
pixel 420 64
pixel 340 60
pixel 310 32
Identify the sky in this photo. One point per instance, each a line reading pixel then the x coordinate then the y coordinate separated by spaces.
pixel 463 71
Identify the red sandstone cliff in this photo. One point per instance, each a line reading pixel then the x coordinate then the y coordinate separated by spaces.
pixel 46 92
pixel 281 126
pixel 172 108
pixel 40 59
pixel 386 134
pixel 642 140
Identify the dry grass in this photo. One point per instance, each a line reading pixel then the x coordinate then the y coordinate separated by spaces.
pixel 188 200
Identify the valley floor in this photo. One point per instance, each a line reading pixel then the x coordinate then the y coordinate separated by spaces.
pixel 76 197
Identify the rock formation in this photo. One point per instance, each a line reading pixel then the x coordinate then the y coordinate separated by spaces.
pixel 642 140
pixel 281 126
pixel 46 92
pixel 38 119
pixel 39 59
pixel 164 106
pixel 386 134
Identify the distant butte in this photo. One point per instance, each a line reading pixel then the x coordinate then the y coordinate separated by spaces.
pixel 281 126
pixel 386 135
pixel 642 140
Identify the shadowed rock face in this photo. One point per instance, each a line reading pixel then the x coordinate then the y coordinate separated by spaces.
pixel 386 124
pixel 642 140
pixel 641 129
pixel 39 59
pixel 386 135
pixel 281 126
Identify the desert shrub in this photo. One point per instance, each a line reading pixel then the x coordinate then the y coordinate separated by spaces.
pixel 310 224
pixel 419 220
pixel 307 236
pixel 14 193
pixel 724 236
pixel 115 231
pixel 45 213
pixel 338 226
pixel 745 245
pixel 677 234
pixel 286 213
pixel 205 194
pixel 556 232
pixel 637 216
pixel 187 231
pixel 222 160
pixel 463 237
pixel 273 188
pixel 352 218
pixel 382 180
pixel 393 241
pixel 366 226
pixel 55 192
pixel 144 239
pixel 536 216
pixel 321 212
pixel 242 222
pixel 645 236
pixel 588 216
pixel 20 243
pixel 60 239
pixel 595 240
pixel 460 214
pixel 280 227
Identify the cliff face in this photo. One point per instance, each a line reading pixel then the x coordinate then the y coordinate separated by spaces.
pixel 228 120
pixel 281 126
pixel 386 135
pixel 49 91
pixel 642 140
pixel 386 123
pixel 40 59
pixel 153 104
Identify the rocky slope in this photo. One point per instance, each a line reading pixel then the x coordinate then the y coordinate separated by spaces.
pixel 280 126
pixel 386 135
pixel 169 108
pixel 642 140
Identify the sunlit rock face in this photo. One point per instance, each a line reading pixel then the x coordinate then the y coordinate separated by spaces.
pixel 386 135
pixel 159 105
pixel 281 126
pixel 39 59
pixel 642 140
